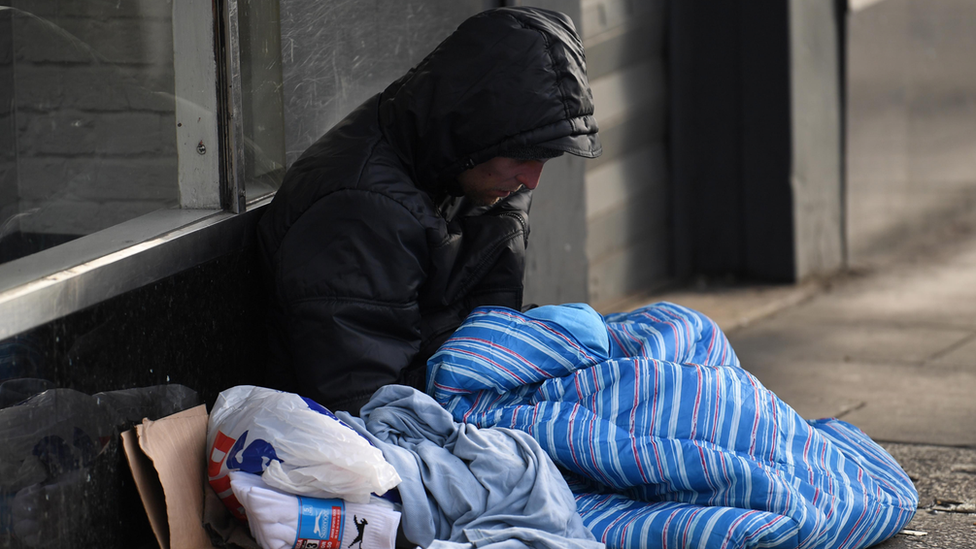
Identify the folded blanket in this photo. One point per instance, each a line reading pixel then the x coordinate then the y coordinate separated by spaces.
pixel 666 439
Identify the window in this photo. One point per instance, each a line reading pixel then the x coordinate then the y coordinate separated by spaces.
pixel 110 138
pixel 87 126
pixel 133 134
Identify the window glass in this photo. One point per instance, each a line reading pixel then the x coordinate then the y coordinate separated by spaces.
pixel 335 55
pixel 87 123
pixel 260 57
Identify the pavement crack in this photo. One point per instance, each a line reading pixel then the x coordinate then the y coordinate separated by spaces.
pixel 850 408
pixel 939 354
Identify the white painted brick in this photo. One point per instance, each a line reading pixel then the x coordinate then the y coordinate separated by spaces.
pixel 38 88
pixel 555 262
pixel 44 87
pixel 41 178
pixel 151 97
pixel 619 181
pixel 620 93
pixel 118 88
pixel 8 139
pixel 6 43
pixel 629 271
pixel 635 132
pixel 8 183
pixel 113 9
pixel 79 40
pixel 73 216
pixel 99 179
pixel 41 8
pixel 71 132
pixel 599 16
pixel 61 132
pixel 623 46
pixel 136 133
pixel 646 217
pixel 65 216
pixel 96 9
pixel 38 41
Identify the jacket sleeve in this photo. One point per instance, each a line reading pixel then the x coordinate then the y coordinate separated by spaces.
pixel 347 276
pixel 506 227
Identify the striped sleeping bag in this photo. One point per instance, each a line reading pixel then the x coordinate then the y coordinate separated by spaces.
pixel 664 439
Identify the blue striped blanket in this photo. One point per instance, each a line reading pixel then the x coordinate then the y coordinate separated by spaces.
pixel 664 439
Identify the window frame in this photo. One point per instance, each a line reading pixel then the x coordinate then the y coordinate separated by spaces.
pixel 214 217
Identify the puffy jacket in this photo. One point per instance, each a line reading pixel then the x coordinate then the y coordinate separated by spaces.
pixel 373 258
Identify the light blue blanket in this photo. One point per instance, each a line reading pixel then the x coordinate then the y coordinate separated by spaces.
pixel 666 440
pixel 465 487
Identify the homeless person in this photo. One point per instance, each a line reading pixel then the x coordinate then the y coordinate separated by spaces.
pixel 413 210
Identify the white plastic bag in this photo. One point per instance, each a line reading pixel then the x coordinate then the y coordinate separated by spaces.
pixel 296 445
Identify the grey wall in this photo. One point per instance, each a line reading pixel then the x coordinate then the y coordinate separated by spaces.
pixel 911 120
pixel 601 228
pixel 556 269
pixel 815 96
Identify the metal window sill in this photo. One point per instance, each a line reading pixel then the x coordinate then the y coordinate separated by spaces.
pixel 68 278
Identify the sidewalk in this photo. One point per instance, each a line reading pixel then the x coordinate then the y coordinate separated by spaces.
pixel 891 349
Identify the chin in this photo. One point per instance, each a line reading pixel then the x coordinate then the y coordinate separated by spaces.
pixel 482 200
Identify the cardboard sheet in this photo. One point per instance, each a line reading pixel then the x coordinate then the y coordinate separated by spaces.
pixel 168 462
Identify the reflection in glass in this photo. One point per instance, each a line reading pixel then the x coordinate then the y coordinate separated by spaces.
pixel 335 55
pixel 87 135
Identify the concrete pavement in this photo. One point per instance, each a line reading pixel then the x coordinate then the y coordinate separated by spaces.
pixel 890 348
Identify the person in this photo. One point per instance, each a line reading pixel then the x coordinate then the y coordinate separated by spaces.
pixel 413 210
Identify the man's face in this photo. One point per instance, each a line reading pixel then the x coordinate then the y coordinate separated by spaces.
pixel 499 177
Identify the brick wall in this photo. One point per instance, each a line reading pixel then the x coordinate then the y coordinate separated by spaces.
pixel 92 113
pixel 627 188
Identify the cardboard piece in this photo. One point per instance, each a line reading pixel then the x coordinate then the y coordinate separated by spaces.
pixel 168 462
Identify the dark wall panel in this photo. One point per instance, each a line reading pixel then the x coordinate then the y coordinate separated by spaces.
pixel 731 139
pixel 706 98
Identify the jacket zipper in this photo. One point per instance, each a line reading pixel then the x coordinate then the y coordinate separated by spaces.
pixel 525 228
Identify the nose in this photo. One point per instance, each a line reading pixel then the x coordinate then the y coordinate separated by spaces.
pixel 529 173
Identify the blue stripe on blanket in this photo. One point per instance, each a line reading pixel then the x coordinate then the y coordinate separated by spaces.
pixel 667 440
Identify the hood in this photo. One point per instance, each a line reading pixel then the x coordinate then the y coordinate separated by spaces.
pixel 506 78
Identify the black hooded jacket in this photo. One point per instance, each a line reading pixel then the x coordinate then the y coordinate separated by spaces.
pixel 373 260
